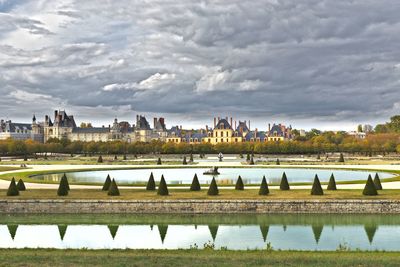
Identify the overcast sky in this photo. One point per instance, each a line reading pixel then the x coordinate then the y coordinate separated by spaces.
pixel 323 63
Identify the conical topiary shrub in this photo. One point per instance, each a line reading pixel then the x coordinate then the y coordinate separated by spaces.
pixel 162 230
pixel 248 157
pixel 191 157
pixel 213 231
pixel 278 162
pixel 113 190
pixel 264 190
pixel 195 186
pixel 100 159
pixel 316 189
pixel 107 183
pixel 377 182
pixel 62 229
pixel 370 189
pixel 284 183
pixel 213 189
pixel 115 157
pixel 251 160
pixel 12 229
pixel 341 158
pixel 151 184
pixel 12 189
pixel 162 187
pixel 239 184
pixel 124 158
pixel 184 162
pixel 63 187
pixel 159 161
pixel 21 185
pixel 66 180
pixel 332 183
pixel 113 230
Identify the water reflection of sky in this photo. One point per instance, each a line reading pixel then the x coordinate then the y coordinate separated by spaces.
pixel 237 237
pixel 227 175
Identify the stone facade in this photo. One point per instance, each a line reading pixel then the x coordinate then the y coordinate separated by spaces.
pixel 199 206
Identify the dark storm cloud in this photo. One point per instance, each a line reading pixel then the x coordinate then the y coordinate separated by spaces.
pixel 319 61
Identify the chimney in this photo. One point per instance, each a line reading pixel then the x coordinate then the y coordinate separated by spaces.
pixel 226 118
pixel 154 122
pixel 269 127
pixel 249 125
pixel 215 122
pixel 231 123
pixel 219 119
pixel 180 127
pixel 162 121
pixel 235 124
pixel 255 133
pixel 207 128
pixel 55 114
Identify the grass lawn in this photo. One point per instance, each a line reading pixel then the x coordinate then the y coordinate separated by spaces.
pixel 141 194
pixel 48 257
pixel 4 168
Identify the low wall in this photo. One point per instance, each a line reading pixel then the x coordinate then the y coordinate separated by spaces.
pixel 199 206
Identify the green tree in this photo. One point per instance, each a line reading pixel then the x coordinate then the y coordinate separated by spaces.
pixel 370 189
pixel 213 189
pixel 239 184
pixel 107 183
pixel 195 186
pixel 151 184
pixel 63 187
pixel 21 185
pixel 377 182
pixel 162 187
pixel 284 182
pixel 113 190
pixel 66 180
pixel 316 189
pixel 341 158
pixel 332 183
pixel 264 190
pixel 12 189
pixel 251 160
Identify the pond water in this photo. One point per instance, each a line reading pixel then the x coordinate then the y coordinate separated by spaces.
pixel 236 232
pixel 226 176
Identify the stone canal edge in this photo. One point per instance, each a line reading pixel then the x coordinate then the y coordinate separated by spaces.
pixel 51 206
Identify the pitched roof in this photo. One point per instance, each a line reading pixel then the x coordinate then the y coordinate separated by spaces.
pixel 223 124
pixel 242 125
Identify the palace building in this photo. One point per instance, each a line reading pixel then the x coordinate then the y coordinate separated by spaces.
pixel 225 132
pixel 63 126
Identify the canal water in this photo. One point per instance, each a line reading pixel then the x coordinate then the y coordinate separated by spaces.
pixel 227 175
pixel 234 232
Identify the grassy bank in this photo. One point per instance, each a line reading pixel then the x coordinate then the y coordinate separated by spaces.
pixel 141 194
pixel 47 257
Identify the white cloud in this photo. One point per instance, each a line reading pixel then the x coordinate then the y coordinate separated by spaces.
pixel 151 82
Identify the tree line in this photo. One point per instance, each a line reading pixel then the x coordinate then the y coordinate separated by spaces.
pixel 316 144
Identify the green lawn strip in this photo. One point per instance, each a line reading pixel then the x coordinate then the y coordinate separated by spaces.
pixel 202 219
pixel 6 168
pixel 194 257
pixel 182 194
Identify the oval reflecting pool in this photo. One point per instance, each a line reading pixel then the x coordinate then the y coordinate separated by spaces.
pixel 226 176
pixel 284 232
